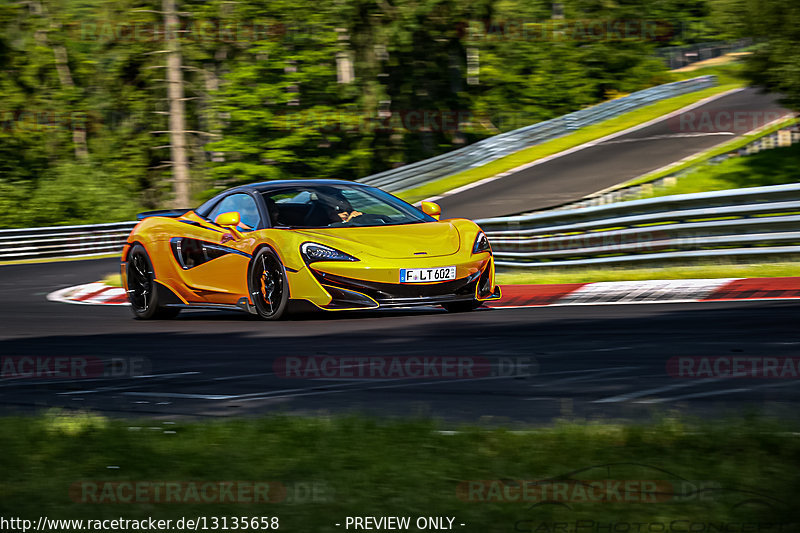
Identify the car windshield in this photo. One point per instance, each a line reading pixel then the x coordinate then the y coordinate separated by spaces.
pixel 332 206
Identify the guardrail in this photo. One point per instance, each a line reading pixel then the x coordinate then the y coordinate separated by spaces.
pixel 732 223
pixel 63 241
pixel 501 145
pixel 755 221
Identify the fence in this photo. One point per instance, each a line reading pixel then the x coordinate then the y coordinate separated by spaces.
pixel 63 241
pixel 749 222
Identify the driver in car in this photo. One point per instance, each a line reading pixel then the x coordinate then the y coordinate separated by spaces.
pixel 348 215
pixel 344 211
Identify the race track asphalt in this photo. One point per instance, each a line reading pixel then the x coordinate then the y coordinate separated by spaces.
pixel 593 362
pixel 597 167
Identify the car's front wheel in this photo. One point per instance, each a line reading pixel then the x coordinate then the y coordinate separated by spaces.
pixel 142 287
pixel 269 288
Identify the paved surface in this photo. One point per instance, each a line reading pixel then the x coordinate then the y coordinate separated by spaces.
pixel 605 292
pixel 614 161
pixel 532 365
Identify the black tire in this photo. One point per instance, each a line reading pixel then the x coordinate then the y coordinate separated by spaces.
pixel 269 288
pixel 142 287
pixel 462 307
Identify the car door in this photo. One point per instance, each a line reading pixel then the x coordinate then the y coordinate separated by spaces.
pixel 214 260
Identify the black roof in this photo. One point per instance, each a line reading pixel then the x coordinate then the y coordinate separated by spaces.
pixel 265 186
pixel 278 184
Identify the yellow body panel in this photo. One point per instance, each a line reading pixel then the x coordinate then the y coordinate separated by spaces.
pixel 381 252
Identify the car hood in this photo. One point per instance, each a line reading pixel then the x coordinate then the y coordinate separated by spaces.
pixel 427 239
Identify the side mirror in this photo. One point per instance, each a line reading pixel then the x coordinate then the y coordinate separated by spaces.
pixel 230 219
pixel 432 209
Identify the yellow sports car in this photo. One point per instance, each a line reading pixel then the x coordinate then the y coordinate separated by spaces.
pixel 274 247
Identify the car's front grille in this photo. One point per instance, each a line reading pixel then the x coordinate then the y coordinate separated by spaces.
pixel 407 293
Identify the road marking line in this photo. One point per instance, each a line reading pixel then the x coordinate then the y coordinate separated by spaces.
pixel 672 136
pixel 595 370
pixel 167 375
pixel 595 375
pixel 639 394
pixel 227 378
pixel 312 390
pixel 609 378
pixel 689 396
pixel 180 395
pixel 715 393
pixel 128 385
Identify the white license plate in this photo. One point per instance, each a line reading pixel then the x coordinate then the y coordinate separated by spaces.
pixel 427 275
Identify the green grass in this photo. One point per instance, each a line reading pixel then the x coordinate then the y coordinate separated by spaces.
pixel 769 167
pixel 363 466
pixel 588 275
pixel 539 151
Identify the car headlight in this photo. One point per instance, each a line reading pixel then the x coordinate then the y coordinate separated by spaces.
pixel 312 252
pixel 481 244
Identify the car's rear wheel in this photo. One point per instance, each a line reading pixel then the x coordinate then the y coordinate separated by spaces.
pixel 462 307
pixel 142 287
pixel 269 288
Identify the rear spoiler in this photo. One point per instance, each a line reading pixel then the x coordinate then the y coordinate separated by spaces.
pixel 171 213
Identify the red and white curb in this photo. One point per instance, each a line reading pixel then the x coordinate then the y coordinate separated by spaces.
pixel 651 291
pixel 600 293
pixel 90 294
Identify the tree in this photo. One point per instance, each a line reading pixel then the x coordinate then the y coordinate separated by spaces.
pixel 775 25
pixel 288 89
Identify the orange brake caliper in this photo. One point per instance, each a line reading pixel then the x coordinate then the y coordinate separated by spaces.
pixel 264 288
